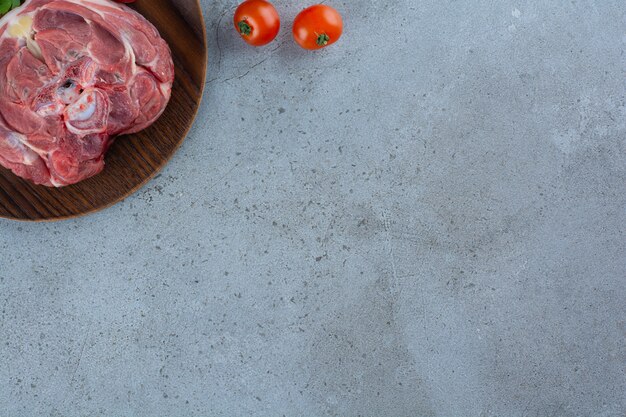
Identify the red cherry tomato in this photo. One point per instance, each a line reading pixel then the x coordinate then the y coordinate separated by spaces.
pixel 317 27
pixel 257 22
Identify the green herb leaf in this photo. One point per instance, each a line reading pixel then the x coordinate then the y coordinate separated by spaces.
pixel 5 6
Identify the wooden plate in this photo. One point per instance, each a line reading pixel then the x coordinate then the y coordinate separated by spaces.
pixel 133 159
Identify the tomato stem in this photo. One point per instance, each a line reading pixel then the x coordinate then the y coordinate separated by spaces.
pixel 244 28
pixel 322 39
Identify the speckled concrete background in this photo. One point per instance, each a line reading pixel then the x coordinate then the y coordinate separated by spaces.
pixel 427 219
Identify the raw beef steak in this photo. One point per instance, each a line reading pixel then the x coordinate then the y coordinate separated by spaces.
pixel 74 74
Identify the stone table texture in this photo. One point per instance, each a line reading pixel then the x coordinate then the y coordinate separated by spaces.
pixel 426 219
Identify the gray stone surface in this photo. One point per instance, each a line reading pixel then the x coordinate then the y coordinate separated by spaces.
pixel 427 219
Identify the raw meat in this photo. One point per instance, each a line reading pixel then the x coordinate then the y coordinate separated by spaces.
pixel 74 74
